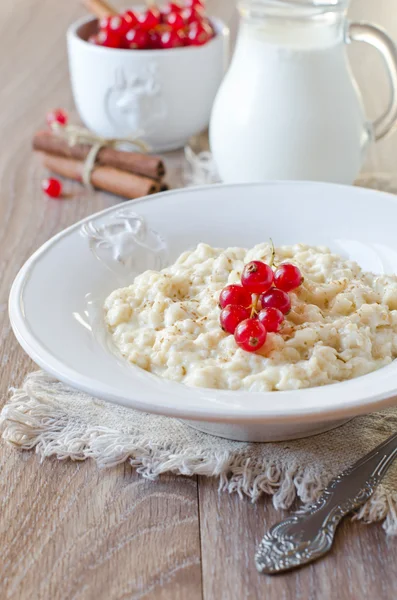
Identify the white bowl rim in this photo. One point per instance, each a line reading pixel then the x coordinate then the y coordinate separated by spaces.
pixel 362 400
pixel 222 32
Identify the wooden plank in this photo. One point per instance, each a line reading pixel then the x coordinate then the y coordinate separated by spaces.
pixel 361 565
pixel 71 531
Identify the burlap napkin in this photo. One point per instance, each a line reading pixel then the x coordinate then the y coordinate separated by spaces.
pixel 55 420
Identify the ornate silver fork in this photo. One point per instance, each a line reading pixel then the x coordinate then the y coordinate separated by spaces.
pixel 309 534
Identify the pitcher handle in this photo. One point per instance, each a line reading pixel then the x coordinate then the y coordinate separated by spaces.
pixel 375 36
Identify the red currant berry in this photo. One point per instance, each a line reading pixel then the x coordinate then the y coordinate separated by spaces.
pixel 235 294
pixel 116 24
pixel 109 38
pixel 257 277
pixel 119 25
pixel 172 7
pixel 276 298
pixel 199 33
pixel 232 315
pixel 57 116
pixel 154 37
pixel 287 277
pixel 172 39
pixel 195 4
pixel 250 335
pixel 52 187
pixel 175 20
pixel 183 37
pixel 130 18
pixel 104 23
pixel 272 318
pixel 191 15
pixel 136 39
pixel 149 19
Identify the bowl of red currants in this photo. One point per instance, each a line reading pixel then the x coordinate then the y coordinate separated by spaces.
pixel 152 73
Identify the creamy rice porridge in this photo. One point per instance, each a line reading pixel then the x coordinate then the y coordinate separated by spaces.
pixel 343 322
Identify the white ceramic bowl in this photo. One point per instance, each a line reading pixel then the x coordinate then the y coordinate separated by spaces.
pixel 167 94
pixel 56 300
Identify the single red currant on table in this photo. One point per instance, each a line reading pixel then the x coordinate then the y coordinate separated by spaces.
pixel 52 187
pixel 232 315
pixel 271 318
pixel 275 298
pixel 57 116
pixel 250 335
pixel 287 277
pixel 257 277
pixel 235 294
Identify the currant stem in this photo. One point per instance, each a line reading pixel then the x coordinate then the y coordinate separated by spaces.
pixel 254 304
pixel 273 254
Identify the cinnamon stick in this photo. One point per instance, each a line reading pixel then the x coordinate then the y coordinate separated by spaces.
pixel 100 8
pixel 109 179
pixel 134 162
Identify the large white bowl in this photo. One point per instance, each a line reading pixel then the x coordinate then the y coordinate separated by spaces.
pixel 56 299
pixel 166 95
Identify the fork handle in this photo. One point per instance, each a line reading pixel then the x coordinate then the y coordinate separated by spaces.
pixel 306 536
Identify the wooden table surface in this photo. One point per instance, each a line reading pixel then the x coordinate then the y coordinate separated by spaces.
pixel 69 531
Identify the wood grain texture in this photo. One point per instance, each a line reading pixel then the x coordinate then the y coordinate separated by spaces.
pixel 362 564
pixel 67 530
pixel 88 534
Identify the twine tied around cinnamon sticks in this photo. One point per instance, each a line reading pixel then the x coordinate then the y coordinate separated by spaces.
pixel 76 153
pixel 75 134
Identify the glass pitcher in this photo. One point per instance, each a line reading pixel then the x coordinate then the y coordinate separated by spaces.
pixel 288 107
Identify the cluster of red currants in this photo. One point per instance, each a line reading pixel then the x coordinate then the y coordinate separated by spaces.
pixel 259 304
pixel 155 29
